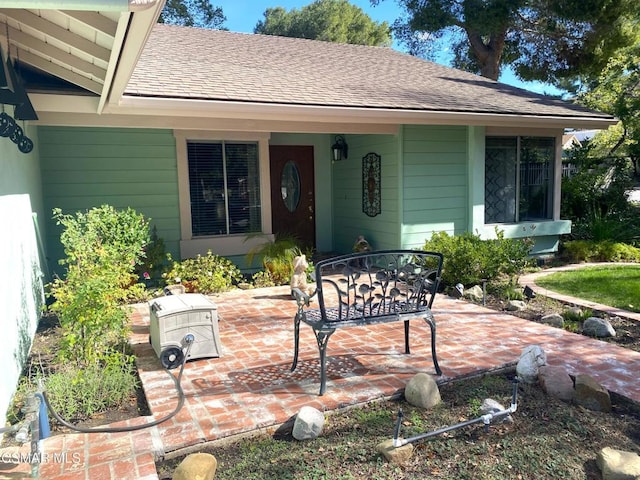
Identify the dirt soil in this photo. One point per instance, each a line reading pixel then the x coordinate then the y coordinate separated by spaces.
pixel 42 358
pixel 548 439
pixel 627 330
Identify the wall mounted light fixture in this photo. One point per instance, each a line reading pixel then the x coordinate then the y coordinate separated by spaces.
pixel 340 149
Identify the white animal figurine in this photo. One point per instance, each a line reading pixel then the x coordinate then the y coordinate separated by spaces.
pixel 299 277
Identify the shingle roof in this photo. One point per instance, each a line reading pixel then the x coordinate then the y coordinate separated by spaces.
pixel 192 63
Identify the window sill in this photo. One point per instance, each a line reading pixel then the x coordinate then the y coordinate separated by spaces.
pixel 540 228
pixel 225 246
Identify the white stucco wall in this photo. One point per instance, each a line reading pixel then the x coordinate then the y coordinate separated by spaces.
pixel 21 282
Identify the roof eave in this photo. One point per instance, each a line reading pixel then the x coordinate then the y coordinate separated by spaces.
pixel 130 104
pixel 132 34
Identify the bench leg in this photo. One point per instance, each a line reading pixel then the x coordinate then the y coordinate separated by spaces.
pixel 322 337
pixel 406 337
pixel 296 341
pixel 432 326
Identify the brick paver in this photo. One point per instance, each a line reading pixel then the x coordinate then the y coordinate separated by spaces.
pixel 250 386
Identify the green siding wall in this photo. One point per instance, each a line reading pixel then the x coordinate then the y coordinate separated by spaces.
pixel 435 182
pixel 21 283
pixel 349 220
pixel 88 167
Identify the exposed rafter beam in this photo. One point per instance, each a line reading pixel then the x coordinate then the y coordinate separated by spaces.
pixel 61 34
pixel 58 71
pixel 91 5
pixel 28 42
pixel 94 20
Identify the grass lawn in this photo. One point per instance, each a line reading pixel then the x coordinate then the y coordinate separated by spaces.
pixel 614 285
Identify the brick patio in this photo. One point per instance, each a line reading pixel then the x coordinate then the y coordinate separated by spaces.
pixel 250 386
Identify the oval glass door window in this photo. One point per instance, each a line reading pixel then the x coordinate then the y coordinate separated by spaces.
pixel 290 186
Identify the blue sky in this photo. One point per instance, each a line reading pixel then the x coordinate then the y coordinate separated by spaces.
pixel 242 16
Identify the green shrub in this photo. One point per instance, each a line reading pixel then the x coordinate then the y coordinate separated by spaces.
pixel 102 247
pixel 154 261
pixel 603 251
pixel 595 200
pixel 77 393
pixel 506 290
pixel 204 274
pixel 124 233
pixel 277 258
pixel 571 315
pixel 468 259
pixel 262 279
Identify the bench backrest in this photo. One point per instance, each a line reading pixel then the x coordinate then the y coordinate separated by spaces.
pixel 377 284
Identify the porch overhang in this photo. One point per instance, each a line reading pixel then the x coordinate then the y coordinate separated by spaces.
pixel 92 45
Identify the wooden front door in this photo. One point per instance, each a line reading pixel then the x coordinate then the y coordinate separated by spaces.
pixel 292 192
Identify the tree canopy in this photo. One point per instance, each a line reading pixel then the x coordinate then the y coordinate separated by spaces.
pixel 329 20
pixel 617 91
pixel 192 13
pixel 546 40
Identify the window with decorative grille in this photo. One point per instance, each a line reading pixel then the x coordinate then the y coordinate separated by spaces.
pixel 519 179
pixel 224 187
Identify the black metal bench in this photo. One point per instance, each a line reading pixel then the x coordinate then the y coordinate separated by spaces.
pixel 366 289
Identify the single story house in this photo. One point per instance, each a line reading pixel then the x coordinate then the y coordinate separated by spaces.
pixel 217 136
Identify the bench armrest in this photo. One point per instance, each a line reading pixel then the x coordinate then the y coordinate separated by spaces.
pixel 302 298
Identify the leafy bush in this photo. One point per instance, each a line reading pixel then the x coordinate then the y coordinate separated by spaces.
pixel 154 261
pixel 262 279
pixel 506 290
pixel 204 274
pixel 277 257
pixel 594 199
pixel 602 251
pixel 468 259
pixel 124 233
pixel 575 316
pixel 102 247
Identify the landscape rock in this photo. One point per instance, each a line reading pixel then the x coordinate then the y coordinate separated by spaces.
pixel 515 306
pixel 399 455
pixel 474 293
pixel 531 359
pixel 457 291
pixel 422 391
pixel 590 394
pixel 553 319
pixel 489 405
pixel 308 424
pixel 555 381
pixel 197 466
pixel 575 311
pixel 598 327
pixel 618 464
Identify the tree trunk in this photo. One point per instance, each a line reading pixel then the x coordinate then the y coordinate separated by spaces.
pixel 488 54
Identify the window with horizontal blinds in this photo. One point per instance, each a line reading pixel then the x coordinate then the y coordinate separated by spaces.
pixel 224 188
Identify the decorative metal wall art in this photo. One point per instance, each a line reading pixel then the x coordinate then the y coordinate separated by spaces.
pixel 12 92
pixel 371 201
pixel 9 128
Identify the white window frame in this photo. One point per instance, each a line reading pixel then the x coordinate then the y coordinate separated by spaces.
pixel 225 245
pixel 527 228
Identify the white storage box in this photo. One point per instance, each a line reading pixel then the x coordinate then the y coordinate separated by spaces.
pixel 174 316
